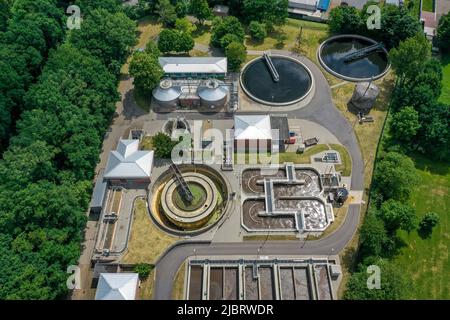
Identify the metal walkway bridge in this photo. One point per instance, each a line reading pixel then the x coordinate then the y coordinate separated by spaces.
pixel 187 194
pixel 363 52
pixel 271 67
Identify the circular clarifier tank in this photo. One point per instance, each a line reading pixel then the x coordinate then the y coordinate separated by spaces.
pixel 334 52
pixel 293 85
pixel 178 213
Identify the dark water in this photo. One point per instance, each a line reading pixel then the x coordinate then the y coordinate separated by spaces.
pixel 294 81
pixel 334 52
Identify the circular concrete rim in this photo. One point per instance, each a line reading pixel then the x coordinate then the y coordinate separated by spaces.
pixel 152 197
pixel 341 76
pixel 275 104
pixel 178 216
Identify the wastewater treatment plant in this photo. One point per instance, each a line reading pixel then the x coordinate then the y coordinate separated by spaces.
pixel 224 150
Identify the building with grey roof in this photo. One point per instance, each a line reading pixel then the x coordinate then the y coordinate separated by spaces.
pixel 98 194
pixel 194 67
pixel 117 286
pixel 129 163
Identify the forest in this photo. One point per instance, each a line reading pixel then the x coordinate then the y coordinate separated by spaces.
pixel 57 95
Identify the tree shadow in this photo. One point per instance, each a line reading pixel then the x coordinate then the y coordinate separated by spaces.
pixel 130 108
pixel 201 30
pixel 428 165
pixel 349 258
pixel 425 233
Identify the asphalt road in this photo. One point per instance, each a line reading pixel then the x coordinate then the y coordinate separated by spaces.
pixel 322 111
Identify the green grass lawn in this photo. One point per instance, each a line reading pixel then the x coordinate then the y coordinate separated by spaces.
pixel 445 95
pixel 427 261
pixel 428 5
pixel 346 166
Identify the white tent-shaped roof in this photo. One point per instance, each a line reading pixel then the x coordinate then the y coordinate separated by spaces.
pixel 117 286
pixel 128 162
pixel 252 127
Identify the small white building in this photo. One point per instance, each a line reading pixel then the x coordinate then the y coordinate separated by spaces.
pixel 252 133
pixel 128 164
pixel 117 286
pixel 194 67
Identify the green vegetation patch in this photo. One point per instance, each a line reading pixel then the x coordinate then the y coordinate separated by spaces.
pixel 199 197
pixel 426 261
pixel 428 5
pixel 445 94
pixel 346 166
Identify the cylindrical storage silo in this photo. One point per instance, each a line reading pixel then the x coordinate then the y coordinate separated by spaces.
pixel 166 96
pixel 213 95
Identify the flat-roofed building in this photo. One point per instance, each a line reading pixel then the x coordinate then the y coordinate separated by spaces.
pixel 309 5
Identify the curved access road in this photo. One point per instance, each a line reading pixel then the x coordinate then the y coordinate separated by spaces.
pixel 322 111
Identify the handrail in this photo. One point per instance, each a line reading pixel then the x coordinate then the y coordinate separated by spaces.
pixel 363 52
pixel 271 67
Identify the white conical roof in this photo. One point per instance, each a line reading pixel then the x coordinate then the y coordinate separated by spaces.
pixel 212 90
pixel 166 91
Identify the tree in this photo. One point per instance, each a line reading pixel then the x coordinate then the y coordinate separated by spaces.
pixel 257 30
pixel 200 9
pixel 443 32
pixel 184 25
pixel 163 145
pixel 428 222
pixel 107 36
pixel 434 134
pixel 398 215
pixel 271 13
pixel 185 42
pixel 395 176
pixel 408 59
pixel 112 6
pixel 152 49
pixel 345 19
pixel 168 40
pixel 146 70
pixel 143 269
pixel 5 12
pixel 182 8
pixel 405 124
pixel 397 24
pixel 227 39
pixel 171 40
pixel 223 26
pixel 166 12
pixel 373 235
pixel 394 284
pixel 236 54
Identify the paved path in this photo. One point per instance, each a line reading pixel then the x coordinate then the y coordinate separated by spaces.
pixel 322 111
